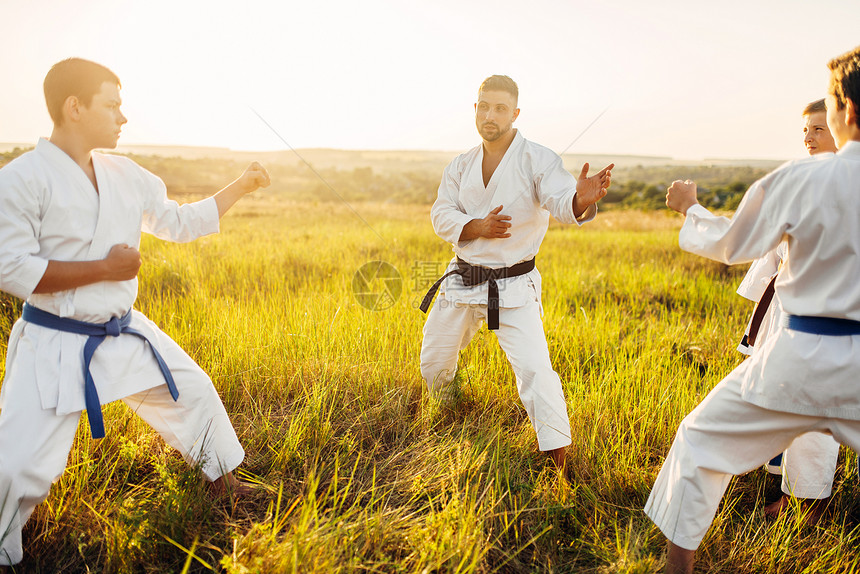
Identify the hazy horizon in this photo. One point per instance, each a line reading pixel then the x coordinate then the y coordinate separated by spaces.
pixel 687 81
pixel 327 156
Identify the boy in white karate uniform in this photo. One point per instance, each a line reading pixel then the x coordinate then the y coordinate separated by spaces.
pixel 70 225
pixel 493 205
pixel 808 465
pixel 804 378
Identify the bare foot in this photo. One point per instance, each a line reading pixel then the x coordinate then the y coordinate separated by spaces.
pixel 774 509
pixel 812 509
pixel 229 485
pixel 679 560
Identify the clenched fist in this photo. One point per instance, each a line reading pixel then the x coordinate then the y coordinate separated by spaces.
pixel 122 263
pixel 255 177
pixel 681 196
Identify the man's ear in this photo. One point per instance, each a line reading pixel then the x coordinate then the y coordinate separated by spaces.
pixel 516 115
pixel 72 108
pixel 851 113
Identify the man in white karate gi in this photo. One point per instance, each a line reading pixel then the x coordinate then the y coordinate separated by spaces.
pixel 70 225
pixel 493 205
pixel 804 377
pixel 808 465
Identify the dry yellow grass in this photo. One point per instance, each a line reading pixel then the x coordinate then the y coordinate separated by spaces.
pixel 358 471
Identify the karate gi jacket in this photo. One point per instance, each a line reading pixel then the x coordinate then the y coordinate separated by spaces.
pixel 532 184
pixel 49 209
pixel 814 205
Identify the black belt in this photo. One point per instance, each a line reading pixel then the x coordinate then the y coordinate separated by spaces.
pixel 758 314
pixel 476 275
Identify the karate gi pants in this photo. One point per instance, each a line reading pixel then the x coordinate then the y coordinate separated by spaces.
pixel 808 466
pixel 35 443
pixel 722 437
pixel 451 326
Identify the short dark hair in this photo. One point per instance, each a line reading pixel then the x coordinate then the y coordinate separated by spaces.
pixel 815 107
pixel 845 78
pixel 74 77
pixel 500 84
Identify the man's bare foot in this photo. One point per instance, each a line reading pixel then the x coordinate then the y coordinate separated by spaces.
pixel 558 458
pixel 812 509
pixel 228 484
pixel 774 509
pixel 679 560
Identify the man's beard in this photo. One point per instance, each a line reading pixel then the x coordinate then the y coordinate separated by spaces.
pixel 494 135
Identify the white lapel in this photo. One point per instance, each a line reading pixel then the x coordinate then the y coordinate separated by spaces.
pixel 72 208
pixel 475 197
pixel 98 248
pixel 61 160
pixel 499 175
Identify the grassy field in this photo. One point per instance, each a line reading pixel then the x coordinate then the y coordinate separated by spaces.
pixel 359 471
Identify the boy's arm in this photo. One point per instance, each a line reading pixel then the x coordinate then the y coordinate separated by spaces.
pixel 166 219
pixel 748 235
pixel 121 264
pixel 254 178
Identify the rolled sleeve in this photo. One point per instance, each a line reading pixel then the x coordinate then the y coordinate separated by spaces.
pixel 587 215
pixel 21 267
pixel 447 215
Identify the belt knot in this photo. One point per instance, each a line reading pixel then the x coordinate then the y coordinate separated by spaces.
pixel 96 333
pixel 113 328
pixel 476 275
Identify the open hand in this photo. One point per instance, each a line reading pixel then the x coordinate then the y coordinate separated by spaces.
pixel 494 225
pixel 681 196
pixel 589 190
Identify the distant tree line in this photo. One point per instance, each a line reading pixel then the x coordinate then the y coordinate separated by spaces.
pixel 640 187
pixel 202 177
pixel 720 187
pixel 638 194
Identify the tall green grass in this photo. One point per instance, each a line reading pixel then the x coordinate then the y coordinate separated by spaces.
pixel 357 470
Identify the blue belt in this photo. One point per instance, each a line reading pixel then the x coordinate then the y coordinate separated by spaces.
pixel 97 333
pixel 821 325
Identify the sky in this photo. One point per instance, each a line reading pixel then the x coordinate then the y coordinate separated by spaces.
pixel 684 79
